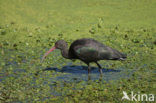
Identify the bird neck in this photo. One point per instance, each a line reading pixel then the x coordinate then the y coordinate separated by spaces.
pixel 64 52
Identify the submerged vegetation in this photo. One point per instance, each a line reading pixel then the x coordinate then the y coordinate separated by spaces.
pixel 28 28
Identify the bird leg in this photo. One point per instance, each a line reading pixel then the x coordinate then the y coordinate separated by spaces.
pixel 88 71
pixel 100 68
pixel 88 68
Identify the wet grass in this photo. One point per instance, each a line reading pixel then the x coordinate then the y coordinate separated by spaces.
pixel 29 28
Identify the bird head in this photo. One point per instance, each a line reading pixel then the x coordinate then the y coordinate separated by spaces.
pixel 60 44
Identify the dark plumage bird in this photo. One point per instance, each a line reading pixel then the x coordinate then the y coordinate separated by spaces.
pixel 87 50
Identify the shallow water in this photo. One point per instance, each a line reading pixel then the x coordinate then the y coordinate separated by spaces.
pixel 81 73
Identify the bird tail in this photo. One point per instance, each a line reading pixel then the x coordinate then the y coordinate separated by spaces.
pixel 116 55
pixel 123 57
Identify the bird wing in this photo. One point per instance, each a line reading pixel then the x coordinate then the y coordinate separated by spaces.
pixel 104 54
pixel 86 53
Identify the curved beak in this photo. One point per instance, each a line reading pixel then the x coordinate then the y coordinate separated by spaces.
pixel 53 48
